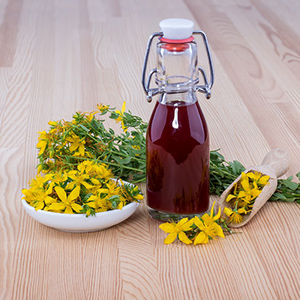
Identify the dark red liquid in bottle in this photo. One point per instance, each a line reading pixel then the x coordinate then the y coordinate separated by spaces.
pixel 178 159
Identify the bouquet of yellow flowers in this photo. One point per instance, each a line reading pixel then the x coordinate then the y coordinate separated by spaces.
pixel 68 143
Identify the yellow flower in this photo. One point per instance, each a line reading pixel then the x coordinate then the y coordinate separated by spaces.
pixel 248 193
pixel 68 202
pixel 56 179
pixel 78 180
pixel 76 143
pixel 43 141
pixel 210 219
pixel 259 178
pixel 102 108
pixel 178 229
pixel 121 116
pixel 38 182
pixel 90 116
pixel 57 128
pixel 234 215
pixel 139 197
pixel 102 171
pixel 37 198
pixel 209 229
pixel 99 202
pixel 136 194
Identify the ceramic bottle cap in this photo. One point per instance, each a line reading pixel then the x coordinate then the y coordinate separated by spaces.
pixel 177 29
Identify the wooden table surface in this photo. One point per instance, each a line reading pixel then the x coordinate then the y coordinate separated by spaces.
pixel 58 57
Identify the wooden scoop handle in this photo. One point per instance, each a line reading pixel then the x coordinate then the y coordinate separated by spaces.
pixel 277 160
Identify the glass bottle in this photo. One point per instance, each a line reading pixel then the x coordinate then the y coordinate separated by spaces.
pixel 177 137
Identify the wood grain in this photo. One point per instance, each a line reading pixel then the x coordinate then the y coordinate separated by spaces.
pixel 57 57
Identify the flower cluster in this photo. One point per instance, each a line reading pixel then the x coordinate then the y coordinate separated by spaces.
pixel 68 143
pixel 88 189
pixel 243 195
pixel 196 230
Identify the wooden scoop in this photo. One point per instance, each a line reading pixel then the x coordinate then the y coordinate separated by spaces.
pixel 275 164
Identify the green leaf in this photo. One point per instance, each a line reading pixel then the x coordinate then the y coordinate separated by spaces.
pixel 237 167
pixel 83 127
pixel 122 161
pixel 279 196
pixel 290 184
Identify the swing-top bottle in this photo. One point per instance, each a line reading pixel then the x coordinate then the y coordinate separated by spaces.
pixel 177 137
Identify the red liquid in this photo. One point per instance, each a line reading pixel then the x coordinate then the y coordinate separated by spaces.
pixel 178 159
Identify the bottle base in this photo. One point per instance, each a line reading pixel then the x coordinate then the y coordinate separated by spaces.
pixel 166 216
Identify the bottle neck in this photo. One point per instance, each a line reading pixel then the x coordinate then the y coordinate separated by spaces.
pixel 177 70
pixel 182 98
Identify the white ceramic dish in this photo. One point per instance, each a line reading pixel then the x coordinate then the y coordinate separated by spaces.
pixel 79 222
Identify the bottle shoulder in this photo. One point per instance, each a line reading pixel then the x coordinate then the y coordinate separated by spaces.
pixel 180 122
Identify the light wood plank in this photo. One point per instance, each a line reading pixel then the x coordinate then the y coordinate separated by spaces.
pixel 57 57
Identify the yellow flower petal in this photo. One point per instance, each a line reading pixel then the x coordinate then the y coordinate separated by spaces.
pixel 74 194
pixel 201 238
pixel 40 205
pixel 227 211
pixel 92 204
pixel 123 107
pixel 49 200
pixel 139 197
pixel 183 238
pixel 182 221
pixel 170 238
pixel 167 227
pixel 57 207
pixel 61 193
pixel 230 197
pixel 76 207
pixel 68 210
pixel 218 215
pixel 264 180
pixel 217 230
pixel 187 226
pixel 198 223
pixel 87 185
